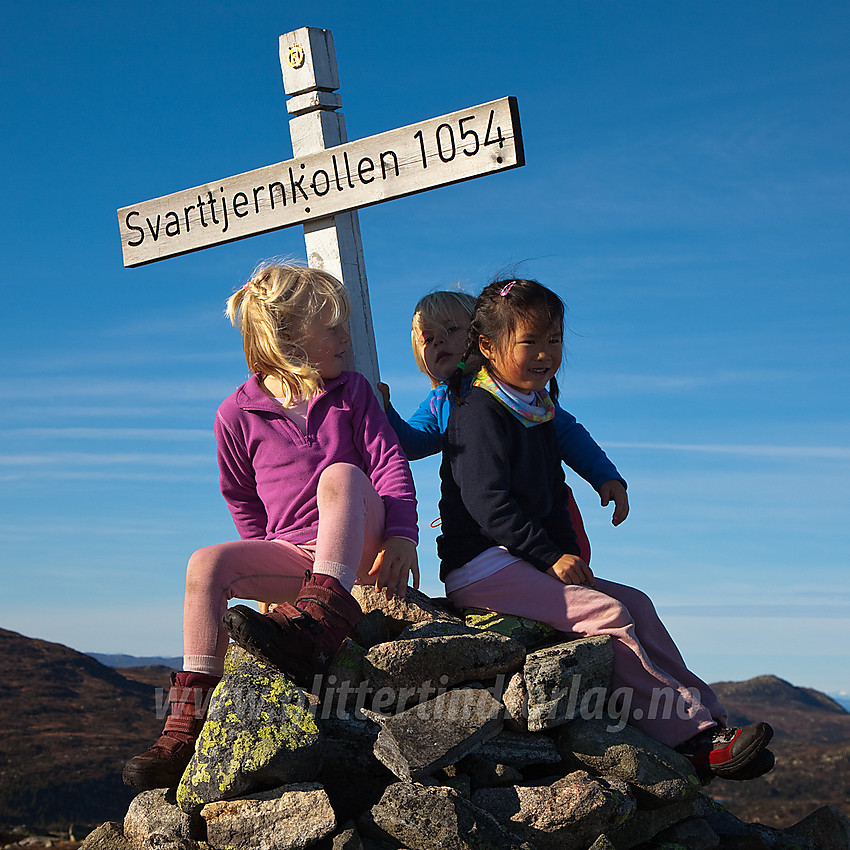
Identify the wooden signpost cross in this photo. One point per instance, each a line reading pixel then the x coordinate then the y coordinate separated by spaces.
pixel 327 181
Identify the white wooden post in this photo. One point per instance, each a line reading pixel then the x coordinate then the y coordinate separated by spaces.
pixel 310 78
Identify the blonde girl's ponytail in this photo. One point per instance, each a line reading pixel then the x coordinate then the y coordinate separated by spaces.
pixel 271 311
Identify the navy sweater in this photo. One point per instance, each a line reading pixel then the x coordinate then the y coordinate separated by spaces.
pixel 502 485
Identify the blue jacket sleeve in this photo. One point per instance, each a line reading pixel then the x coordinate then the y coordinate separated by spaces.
pixel 420 436
pixel 582 453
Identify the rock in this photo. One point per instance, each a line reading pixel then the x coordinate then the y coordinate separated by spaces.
pixel 351 775
pixel 693 833
pixel 347 665
pixel 486 773
pixel 428 818
pixel 347 838
pixel 154 818
pixel 663 775
pixel 286 818
pixel 398 613
pixel 260 733
pixel 107 836
pixel 407 668
pixel 567 814
pixel 370 629
pixel 530 633
pixel 515 700
pixel 826 828
pixel 561 681
pixel 520 749
pixel 644 825
pixel 437 733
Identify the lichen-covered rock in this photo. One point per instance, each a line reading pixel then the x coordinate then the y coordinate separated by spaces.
pixel 107 836
pixel 421 740
pixel 153 819
pixel 486 773
pixel 530 633
pixel 398 614
pixel 418 664
pixel 561 680
pixel 286 818
pixel 567 814
pixel 260 733
pixel 436 818
pixel 515 700
pixel 661 774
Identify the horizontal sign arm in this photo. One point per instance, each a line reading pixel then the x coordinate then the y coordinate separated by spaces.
pixel 465 144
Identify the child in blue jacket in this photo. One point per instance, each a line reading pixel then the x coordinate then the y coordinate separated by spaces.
pixel 438 338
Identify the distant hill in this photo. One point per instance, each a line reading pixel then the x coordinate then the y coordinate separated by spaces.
pixel 812 747
pixel 121 661
pixel 69 722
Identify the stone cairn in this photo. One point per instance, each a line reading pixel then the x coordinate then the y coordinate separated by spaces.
pixel 438 729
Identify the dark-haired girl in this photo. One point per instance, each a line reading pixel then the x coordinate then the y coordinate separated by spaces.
pixel 508 545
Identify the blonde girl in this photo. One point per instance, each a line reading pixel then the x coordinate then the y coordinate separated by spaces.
pixel 317 486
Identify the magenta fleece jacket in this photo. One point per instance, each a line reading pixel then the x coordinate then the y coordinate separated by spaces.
pixel 270 469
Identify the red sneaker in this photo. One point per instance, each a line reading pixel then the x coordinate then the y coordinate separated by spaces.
pixel 729 751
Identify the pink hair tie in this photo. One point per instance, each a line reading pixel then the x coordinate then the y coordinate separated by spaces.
pixel 507 288
pixel 247 285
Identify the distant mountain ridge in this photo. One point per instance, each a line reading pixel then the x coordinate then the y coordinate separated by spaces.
pixel 70 722
pixel 175 663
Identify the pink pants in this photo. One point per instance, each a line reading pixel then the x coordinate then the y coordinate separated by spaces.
pixel 351 530
pixel 646 661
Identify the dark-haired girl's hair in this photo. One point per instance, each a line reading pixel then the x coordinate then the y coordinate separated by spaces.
pixel 500 307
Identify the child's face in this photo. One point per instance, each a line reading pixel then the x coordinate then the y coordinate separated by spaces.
pixel 531 358
pixel 442 348
pixel 325 344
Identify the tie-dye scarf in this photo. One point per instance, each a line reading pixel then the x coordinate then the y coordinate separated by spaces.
pixel 528 414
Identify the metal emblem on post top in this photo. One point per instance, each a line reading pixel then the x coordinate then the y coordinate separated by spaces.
pixel 295 57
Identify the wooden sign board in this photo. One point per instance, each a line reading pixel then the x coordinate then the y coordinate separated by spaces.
pixel 459 146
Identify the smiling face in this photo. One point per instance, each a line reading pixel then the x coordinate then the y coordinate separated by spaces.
pixel 325 344
pixel 529 360
pixel 441 348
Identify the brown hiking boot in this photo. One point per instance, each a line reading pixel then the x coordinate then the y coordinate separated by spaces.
pixel 299 639
pixel 162 765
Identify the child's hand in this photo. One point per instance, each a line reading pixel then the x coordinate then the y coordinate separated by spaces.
pixel 384 390
pixel 396 559
pixel 570 569
pixel 616 492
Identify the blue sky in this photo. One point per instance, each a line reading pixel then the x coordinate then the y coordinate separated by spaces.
pixel 686 191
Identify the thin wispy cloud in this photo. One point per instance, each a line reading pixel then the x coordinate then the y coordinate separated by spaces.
pixel 830 452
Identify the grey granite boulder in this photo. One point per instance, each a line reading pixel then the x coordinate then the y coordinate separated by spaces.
pixel 693 833
pixel 436 818
pixel 107 836
pixel 567 814
pixel 260 733
pixel 286 818
pixel 421 740
pixel 520 749
pixel 566 680
pixel 154 818
pixel 826 828
pixel 515 700
pixel 397 613
pixel 661 774
pixel 419 664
